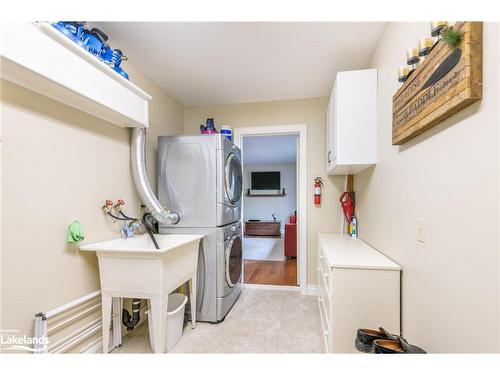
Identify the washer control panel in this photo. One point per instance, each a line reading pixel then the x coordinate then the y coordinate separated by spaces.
pixel 231 230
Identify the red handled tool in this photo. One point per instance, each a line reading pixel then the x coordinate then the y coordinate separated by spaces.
pixel 347 204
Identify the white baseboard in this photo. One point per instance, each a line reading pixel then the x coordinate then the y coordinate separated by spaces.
pixel 95 347
pixel 283 288
pixel 312 290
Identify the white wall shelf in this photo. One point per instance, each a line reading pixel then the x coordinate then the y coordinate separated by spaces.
pixel 40 58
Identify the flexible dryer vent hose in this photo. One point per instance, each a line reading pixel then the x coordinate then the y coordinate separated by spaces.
pixel 140 177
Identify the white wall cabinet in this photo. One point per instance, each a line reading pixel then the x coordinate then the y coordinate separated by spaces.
pixel 352 122
pixel 358 287
pixel 40 58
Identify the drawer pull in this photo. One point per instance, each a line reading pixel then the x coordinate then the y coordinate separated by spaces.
pixel 326 332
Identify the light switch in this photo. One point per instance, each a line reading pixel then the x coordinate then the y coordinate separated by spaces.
pixel 421 230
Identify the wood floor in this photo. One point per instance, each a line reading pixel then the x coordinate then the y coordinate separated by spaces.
pixel 271 273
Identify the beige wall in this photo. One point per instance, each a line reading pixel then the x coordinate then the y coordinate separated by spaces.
pixel 303 111
pixel 59 165
pixel 449 177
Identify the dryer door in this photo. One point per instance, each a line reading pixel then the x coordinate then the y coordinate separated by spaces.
pixel 234 260
pixel 233 180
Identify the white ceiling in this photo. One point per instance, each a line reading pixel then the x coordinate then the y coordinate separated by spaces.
pixel 234 62
pixel 272 149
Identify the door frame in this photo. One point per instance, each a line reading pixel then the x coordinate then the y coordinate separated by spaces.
pixel 301 131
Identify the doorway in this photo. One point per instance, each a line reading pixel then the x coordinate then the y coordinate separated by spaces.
pixel 274 200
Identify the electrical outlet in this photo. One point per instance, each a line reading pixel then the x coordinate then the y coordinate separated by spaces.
pixel 421 230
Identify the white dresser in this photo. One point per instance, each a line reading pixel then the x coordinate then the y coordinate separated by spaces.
pixel 358 287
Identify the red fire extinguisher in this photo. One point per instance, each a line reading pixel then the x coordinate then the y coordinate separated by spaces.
pixel 317 190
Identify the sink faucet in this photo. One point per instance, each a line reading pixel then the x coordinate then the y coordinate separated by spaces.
pixel 129 228
pixel 131 223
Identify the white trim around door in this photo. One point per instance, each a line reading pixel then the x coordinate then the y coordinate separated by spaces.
pixel 301 131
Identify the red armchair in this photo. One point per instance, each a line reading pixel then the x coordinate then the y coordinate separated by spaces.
pixel 291 237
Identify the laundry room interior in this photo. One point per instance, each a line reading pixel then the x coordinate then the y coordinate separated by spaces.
pixel 250 187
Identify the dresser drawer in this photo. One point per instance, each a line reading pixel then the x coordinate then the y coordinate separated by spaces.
pixel 324 296
pixel 325 317
pixel 325 268
pixel 321 259
pixel 325 273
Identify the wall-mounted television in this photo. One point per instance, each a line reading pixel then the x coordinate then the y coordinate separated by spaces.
pixel 266 180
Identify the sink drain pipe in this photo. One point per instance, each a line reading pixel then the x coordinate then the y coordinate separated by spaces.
pixel 158 212
pixel 130 321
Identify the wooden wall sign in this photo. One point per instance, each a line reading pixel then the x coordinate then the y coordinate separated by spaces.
pixel 447 81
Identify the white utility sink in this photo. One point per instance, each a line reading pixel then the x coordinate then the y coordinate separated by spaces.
pixel 133 268
pixel 142 243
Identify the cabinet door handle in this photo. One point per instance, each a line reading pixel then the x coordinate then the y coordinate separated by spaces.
pixel 329 160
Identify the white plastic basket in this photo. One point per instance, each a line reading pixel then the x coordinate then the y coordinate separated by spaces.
pixel 175 321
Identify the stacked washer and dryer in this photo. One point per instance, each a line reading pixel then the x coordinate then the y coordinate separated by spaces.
pixel 200 177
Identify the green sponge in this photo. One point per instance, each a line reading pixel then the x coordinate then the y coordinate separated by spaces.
pixel 75 233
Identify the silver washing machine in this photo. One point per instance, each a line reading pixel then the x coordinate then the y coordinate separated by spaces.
pixel 200 177
pixel 229 268
pixel 219 269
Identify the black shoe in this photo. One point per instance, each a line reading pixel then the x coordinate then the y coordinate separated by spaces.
pixel 399 346
pixel 365 338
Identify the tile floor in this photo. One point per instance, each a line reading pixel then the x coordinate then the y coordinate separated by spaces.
pixel 261 321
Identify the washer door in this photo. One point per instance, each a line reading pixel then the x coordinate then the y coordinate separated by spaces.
pixel 234 260
pixel 233 180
